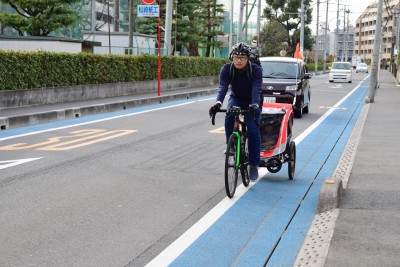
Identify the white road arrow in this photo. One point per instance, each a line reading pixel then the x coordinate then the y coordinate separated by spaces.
pixel 10 163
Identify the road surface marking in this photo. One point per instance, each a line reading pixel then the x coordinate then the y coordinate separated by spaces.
pixel 327 107
pixel 80 138
pixel 220 130
pixel 10 163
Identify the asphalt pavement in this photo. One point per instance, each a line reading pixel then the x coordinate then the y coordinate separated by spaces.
pixel 365 219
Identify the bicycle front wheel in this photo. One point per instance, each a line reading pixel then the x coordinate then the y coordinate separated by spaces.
pixel 231 168
pixel 245 164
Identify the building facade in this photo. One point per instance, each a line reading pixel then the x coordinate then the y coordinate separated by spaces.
pixel 365 31
pixel 345 44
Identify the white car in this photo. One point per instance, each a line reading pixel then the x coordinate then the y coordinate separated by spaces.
pixel 362 67
pixel 341 71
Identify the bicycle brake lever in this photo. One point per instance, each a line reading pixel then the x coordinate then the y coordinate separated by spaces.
pixel 213 119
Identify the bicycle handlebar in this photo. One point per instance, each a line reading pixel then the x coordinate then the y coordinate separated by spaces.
pixel 236 111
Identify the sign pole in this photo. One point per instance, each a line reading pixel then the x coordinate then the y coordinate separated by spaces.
pixel 159 48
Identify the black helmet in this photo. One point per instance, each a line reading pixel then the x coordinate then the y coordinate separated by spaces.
pixel 240 49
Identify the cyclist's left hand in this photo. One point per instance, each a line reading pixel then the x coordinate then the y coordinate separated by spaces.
pixel 254 109
pixel 214 109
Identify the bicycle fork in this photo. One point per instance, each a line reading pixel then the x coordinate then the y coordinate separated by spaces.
pixel 238 146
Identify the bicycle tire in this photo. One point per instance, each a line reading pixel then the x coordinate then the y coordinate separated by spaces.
pixel 231 171
pixel 292 160
pixel 244 164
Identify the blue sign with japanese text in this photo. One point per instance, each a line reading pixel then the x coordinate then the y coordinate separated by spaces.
pixel 147 10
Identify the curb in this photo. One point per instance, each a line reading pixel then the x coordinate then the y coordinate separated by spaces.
pixel 329 195
pixel 77 112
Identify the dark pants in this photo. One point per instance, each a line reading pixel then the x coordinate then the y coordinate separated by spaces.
pixel 254 139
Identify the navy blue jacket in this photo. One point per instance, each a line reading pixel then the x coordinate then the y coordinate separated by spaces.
pixel 241 87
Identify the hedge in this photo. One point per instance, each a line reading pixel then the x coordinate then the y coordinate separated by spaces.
pixel 28 70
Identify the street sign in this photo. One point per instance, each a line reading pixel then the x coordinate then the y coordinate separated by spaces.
pixel 148 2
pixel 147 10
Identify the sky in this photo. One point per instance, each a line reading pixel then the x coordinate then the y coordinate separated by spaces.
pixel 356 8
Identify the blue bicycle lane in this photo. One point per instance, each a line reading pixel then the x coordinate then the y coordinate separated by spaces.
pixel 261 220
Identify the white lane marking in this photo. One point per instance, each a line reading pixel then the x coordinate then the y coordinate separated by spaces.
pixel 185 240
pixel 168 255
pixel 10 163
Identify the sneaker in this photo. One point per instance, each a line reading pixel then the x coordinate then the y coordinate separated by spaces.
pixel 253 173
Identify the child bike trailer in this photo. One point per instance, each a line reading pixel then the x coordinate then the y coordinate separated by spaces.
pixel 276 133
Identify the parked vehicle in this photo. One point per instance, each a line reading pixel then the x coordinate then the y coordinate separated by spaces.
pixel 355 60
pixel 286 80
pixel 362 67
pixel 341 71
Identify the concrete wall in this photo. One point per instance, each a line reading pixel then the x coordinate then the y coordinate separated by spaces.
pixel 142 43
pixel 21 98
pixel 34 44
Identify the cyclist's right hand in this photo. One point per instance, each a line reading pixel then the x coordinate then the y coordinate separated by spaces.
pixel 214 109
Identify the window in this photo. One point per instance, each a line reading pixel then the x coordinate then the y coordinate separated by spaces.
pixel 341 65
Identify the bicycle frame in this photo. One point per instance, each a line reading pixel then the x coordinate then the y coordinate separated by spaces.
pixel 239 129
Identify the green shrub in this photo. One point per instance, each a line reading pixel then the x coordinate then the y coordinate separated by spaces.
pixel 27 70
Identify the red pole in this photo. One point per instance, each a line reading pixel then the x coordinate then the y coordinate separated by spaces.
pixel 159 48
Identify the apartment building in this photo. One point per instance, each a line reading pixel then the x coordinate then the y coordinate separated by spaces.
pixel 364 34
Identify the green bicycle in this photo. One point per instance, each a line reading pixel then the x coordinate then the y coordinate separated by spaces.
pixel 236 155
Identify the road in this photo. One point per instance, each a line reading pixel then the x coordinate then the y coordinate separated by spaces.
pixel 117 189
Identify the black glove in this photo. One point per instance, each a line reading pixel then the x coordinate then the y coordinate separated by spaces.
pixel 214 109
pixel 254 109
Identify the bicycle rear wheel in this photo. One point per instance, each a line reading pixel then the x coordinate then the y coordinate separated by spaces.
pixel 292 160
pixel 231 170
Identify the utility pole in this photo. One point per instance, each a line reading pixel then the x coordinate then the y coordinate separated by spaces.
pixel 336 43
pixel 375 55
pixel 343 38
pixel 326 34
pixel 302 22
pixel 109 27
pixel 231 28
pixel 397 29
pixel 247 22
pixel 347 35
pixel 93 17
pixel 131 25
pixel 116 15
pixel 258 19
pixel 240 24
pixel 168 27
pixel 317 43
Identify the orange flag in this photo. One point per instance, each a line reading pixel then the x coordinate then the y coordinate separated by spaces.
pixel 297 53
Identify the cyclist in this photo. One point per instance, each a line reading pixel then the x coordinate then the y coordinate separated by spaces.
pixel 245 80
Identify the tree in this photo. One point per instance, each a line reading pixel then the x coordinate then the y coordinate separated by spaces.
pixel 38 17
pixel 195 22
pixel 272 37
pixel 211 17
pixel 308 40
pixel 186 26
pixel 286 12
